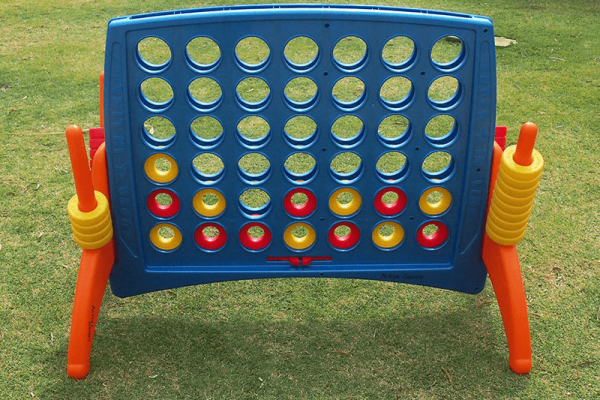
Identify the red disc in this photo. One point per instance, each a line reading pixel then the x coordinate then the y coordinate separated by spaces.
pixel 389 209
pixel 163 211
pixel 300 210
pixel 252 243
pixel 344 242
pixel 211 243
pixel 435 239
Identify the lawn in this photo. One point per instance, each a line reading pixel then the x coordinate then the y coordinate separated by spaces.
pixel 302 338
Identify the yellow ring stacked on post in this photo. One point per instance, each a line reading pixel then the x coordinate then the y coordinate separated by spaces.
pixel 91 230
pixel 513 197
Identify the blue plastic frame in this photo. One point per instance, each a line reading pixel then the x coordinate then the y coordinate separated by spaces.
pixel 456 265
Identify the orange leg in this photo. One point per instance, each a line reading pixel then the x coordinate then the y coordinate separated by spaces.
pixel 96 264
pixel 502 263
pixel 94 271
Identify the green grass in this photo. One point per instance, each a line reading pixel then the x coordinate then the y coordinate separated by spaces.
pixel 309 339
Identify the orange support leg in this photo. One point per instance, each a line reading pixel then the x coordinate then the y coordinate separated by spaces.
pixel 94 271
pixel 96 262
pixel 502 263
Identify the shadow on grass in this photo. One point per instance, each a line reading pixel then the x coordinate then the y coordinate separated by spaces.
pixel 432 356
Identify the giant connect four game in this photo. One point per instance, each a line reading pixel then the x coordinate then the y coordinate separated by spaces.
pixel 292 141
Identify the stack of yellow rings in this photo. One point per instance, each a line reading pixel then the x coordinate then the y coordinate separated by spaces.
pixel 209 210
pixel 513 197
pixel 91 230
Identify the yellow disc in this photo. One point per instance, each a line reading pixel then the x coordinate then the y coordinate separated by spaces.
pixel 521 172
pixel 519 193
pixel 157 175
pixel 503 236
pixel 209 210
pixel 94 217
pixel 518 183
pixel 297 243
pixel 345 209
pixel 389 241
pixel 497 202
pixel 162 242
pixel 507 225
pixel 88 229
pixel 511 200
pixel 510 217
pixel 438 207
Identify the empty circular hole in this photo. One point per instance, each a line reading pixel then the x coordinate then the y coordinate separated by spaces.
pixel 253 93
pixel 203 54
pixel 156 94
pixel 444 92
pixel 438 166
pixel 348 131
pixel 254 203
pixel 346 167
pixel 349 93
pixel 252 54
pixel 441 130
pixel 301 94
pixel 392 167
pixel 448 52
pixel 254 168
pixel 253 132
pixel 399 53
pixel 208 168
pixel 394 131
pixel 396 93
pixel 207 131
pixel 300 168
pixel 301 54
pixel 153 54
pixel 159 131
pixel 300 131
pixel 350 53
pixel 205 93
